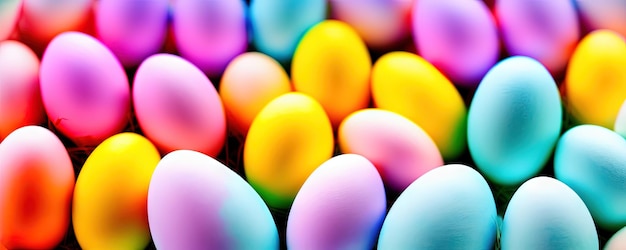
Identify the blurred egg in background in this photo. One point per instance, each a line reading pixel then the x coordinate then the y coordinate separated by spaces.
pixel 603 14
pixel 10 11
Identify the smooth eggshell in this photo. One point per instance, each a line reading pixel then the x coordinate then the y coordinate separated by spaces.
pixel 20 96
pixel 514 120
pixel 9 14
pixel 84 89
pixel 177 106
pixel 620 121
pixel 617 241
pixel 110 199
pixel 36 184
pixel 195 202
pixel 340 206
pixel 250 81
pixel 603 14
pixel 592 161
pixel 399 148
pixel 287 141
pixel 544 213
pixel 407 84
pixel 450 207
pixel 332 65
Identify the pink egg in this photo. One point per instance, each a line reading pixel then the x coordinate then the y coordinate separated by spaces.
pixel 459 37
pixel 399 148
pixel 9 14
pixel 20 97
pixel 177 106
pixel 132 29
pixel 603 14
pixel 84 89
pixel 210 33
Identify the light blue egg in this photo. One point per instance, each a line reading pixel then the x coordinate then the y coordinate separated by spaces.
pixel 449 207
pixel 514 120
pixel 544 213
pixel 278 25
pixel 592 161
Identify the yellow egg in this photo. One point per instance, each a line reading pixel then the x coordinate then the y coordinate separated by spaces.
pixel 110 198
pixel 596 78
pixel 332 64
pixel 289 139
pixel 407 84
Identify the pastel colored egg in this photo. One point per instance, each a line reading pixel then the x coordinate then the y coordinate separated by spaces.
pixel 36 184
pixel 278 25
pixel 620 121
pixel 20 97
pixel 603 14
pixel 617 241
pixel 592 161
pixel 459 37
pixel 595 82
pixel 332 65
pixel 544 213
pixel 381 23
pixel 545 30
pixel 84 89
pixel 340 206
pixel 110 199
pixel 399 148
pixel 132 29
pixel 514 121
pixel 177 106
pixel 249 82
pixel 287 141
pixel 195 202
pixel 210 33
pixel 450 207
pixel 9 14
pixel 407 84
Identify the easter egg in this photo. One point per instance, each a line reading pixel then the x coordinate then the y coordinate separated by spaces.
pixel 132 29
pixel 620 121
pixel 250 81
pixel 340 206
pixel 332 65
pixel 9 14
pixel 617 241
pixel 84 89
pixel 399 148
pixel 36 184
pixel 603 14
pixel 209 33
pixel 381 23
pixel 278 25
pixel 459 37
pixel 20 97
pixel 450 207
pixel 287 141
pixel 592 161
pixel 195 202
pixel 544 213
pixel 407 84
pixel 545 30
pixel 177 106
pixel 110 198
pixel 595 81
pixel 514 120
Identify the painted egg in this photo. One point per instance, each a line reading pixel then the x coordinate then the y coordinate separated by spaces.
pixel 544 213
pixel 450 207
pixel 459 37
pixel 9 14
pixel 210 33
pixel 251 81
pixel 595 82
pixel 20 97
pixel 545 30
pixel 132 29
pixel 399 148
pixel 407 84
pixel 332 65
pixel 514 120
pixel 603 14
pixel 278 25
pixel 340 206
pixel 620 121
pixel 592 161
pixel 36 184
pixel 177 106
pixel 617 241
pixel 84 89
pixel 287 141
pixel 195 202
